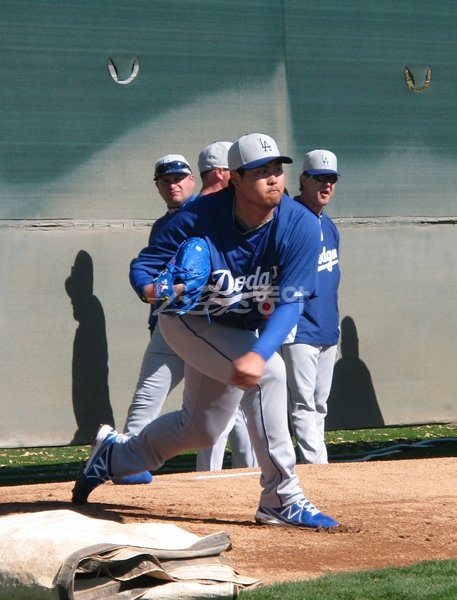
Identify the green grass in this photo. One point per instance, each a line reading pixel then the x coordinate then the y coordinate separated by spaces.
pixel 392 434
pixel 21 457
pixel 421 441
pixel 48 464
pixel 429 580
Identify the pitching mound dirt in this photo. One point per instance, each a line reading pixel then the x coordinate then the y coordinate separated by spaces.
pixel 391 513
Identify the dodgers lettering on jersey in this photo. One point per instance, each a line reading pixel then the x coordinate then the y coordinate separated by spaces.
pixel 243 300
pixel 226 284
pixel 228 290
pixel 251 274
pixel 327 259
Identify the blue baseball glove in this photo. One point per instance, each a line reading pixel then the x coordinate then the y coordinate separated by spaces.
pixel 190 266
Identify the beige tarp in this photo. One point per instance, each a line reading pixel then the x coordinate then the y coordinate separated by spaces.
pixel 64 555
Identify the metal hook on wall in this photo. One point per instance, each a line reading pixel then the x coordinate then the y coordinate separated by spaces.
pixel 411 84
pixel 114 75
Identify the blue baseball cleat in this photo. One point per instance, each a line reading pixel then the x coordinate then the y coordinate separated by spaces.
pixel 97 469
pixel 298 514
pixel 137 478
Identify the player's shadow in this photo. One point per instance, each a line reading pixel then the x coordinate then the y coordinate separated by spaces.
pixel 90 390
pixel 352 403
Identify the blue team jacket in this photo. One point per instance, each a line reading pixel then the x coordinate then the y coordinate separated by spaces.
pixel 319 323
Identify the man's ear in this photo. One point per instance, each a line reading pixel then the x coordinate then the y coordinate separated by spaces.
pixel 234 178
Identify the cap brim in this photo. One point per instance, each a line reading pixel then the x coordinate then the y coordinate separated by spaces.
pixel 173 172
pixel 322 172
pixel 255 164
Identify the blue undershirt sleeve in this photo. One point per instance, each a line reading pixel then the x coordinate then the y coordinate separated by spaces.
pixel 276 329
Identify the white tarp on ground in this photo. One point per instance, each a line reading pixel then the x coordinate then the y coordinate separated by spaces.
pixel 64 555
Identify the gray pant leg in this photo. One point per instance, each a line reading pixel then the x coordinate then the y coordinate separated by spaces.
pixel 266 412
pixel 212 458
pixel 243 454
pixel 208 407
pixel 161 371
pixel 309 379
pixel 210 401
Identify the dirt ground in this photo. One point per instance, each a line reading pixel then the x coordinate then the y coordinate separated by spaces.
pixel 391 513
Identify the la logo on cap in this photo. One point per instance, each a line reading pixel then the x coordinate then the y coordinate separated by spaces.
pixel 266 147
pixel 320 162
pixel 254 150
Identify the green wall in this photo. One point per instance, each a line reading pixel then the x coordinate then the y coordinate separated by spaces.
pixel 77 151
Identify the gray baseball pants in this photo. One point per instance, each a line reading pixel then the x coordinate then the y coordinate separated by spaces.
pixel 236 432
pixel 209 403
pixel 161 371
pixel 309 379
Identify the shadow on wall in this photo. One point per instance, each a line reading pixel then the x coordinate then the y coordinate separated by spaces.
pixel 352 403
pixel 90 391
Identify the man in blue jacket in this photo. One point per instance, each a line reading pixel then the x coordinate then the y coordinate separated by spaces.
pixel 161 369
pixel 310 349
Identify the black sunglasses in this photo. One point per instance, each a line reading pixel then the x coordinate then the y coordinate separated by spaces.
pixel 174 167
pixel 327 178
